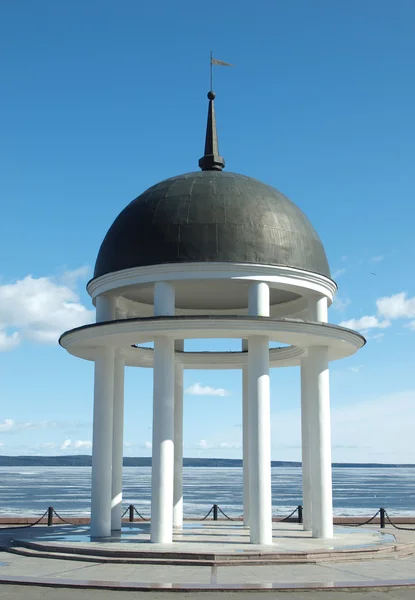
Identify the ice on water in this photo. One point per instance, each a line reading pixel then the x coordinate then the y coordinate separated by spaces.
pixel 356 491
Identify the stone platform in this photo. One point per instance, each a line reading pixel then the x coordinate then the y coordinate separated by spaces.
pixel 209 558
pixel 207 544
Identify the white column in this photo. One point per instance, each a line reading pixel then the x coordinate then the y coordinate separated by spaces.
pixel 178 440
pixel 163 424
pixel 259 422
pixel 117 442
pixel 305 446
pixel 320 430
pixel 245 437
pixel 318 309
pixel 319 394
pixel 102 428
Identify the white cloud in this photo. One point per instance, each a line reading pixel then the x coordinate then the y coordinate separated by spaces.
pixel 338 272
pixel 378 258
pixel 204 390
pixel 356 369
pixel 397 306
pixel 203 444
pixel 365 323
pixel 76 445
pixel 148 445
pixel 6 425
pixel 71 278
pixel 82 444
pixel 40 309
pixel 8 342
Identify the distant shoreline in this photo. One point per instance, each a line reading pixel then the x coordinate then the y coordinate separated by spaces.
pixel 85 460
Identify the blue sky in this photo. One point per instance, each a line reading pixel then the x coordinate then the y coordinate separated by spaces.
pixel 99 100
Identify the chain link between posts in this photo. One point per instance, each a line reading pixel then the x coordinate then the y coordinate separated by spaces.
pixel 397 526
pixel 140 515
pixel 28 525
pixel 360 524
pixel 290 515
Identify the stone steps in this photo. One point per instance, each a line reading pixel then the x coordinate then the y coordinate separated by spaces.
pixel 207 559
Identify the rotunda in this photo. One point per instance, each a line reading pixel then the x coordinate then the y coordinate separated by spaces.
pixel 211 254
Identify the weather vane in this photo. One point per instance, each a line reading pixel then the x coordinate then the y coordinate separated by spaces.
pixel 215 61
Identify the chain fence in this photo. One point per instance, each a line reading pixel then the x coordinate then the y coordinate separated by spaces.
pixel 28 525
pixel 215 511
pixel 363 523
pixel 397 526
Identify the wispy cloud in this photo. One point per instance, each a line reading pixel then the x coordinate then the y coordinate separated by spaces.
pixel 389 308
pixel 11 426
pixel 363 425
pixel 339 304
pixel 377 337
pixel 398 306
pixel 76 445
pixel 47 445
pixel 197 389
pixel 8 341
pixel 365 323
pixel 378 258
pixel 205 445
pixel 338 272
pixel 356 368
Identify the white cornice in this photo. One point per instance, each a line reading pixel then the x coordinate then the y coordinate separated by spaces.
pixel 286 278
pixel 341 342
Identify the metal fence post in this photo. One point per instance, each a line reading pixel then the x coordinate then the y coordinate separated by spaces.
pixel 382 518
pixel 300 513
pixel 50 516
pixel 215 512
pixel 131 513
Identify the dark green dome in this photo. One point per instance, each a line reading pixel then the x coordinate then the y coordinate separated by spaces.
pixel 211 216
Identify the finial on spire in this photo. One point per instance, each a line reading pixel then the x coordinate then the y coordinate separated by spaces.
pixel 211 161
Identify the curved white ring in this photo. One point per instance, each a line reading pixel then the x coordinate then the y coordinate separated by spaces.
pixel 123 334
pixel 285 278
pixel 143 357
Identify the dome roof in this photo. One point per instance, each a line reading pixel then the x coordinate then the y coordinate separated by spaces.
pixel 211 216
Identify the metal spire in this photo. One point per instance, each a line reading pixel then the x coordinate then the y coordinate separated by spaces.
pixel 211 161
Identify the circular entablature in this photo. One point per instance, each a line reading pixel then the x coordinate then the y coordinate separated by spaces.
pixel 213 288
pixel 124 334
